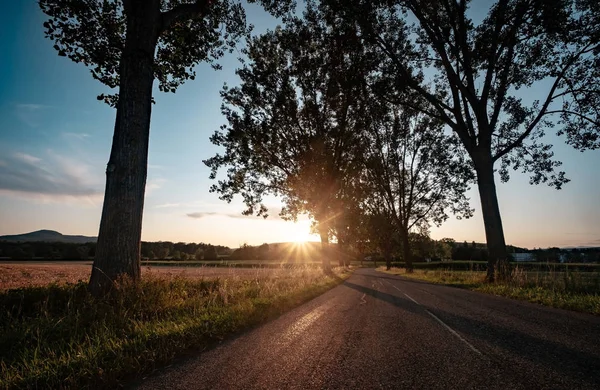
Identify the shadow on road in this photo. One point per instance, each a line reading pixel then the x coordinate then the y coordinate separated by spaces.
pixel 559 357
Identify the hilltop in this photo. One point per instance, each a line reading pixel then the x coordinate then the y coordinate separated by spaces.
pixel 48 236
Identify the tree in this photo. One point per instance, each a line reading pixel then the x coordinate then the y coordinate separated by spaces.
pixel 443 250
pixel 295 124
pixel 471 76
pixel 210 253
pixel 418 172
pixel 263 252
pixel 128 44
pixel 382 232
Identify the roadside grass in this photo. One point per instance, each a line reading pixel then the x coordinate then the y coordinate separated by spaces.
pixel 579 291
pixel 58 336
pixel 231 263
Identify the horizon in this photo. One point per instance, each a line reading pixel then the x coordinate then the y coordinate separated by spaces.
pixel 56 138
pixel 295 242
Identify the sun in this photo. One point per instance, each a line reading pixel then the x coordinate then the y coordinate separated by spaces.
pixel 300 240
pixel 300 232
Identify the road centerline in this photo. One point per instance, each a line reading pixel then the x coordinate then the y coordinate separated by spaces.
pixel 453 332
pixel 440 321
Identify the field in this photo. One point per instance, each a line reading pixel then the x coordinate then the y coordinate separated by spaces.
pixel 31 274
pixel 573 290
pixel 53 334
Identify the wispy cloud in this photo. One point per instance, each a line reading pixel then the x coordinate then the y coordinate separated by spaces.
pixel 203 214
pixel 79 136
pixel 27 158
pixel 167 205
pixel 31 106
pixel 52 177
pixel 154 184
pixel 158 167
pixel 199 215
pixel 29 113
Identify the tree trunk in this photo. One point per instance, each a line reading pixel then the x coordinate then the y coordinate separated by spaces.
pixel 118 248
pixel 325 250
pixel 388 260
pixel 494 233
pixel 406 252
pixel 339 252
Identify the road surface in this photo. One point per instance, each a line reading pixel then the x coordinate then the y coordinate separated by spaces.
pixel 381 331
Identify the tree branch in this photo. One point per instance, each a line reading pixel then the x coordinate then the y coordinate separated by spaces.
pixel 184 12
pixel 543 110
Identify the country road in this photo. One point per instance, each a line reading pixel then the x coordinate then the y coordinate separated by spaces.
pixel 381 331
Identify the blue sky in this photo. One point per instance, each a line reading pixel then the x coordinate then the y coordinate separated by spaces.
pixel 55 140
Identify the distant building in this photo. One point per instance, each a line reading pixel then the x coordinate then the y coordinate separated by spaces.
pixel 523 256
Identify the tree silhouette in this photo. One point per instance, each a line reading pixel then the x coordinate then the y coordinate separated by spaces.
pixel 417 172
pixel 470 75
pixel 128 44
pixel 295 124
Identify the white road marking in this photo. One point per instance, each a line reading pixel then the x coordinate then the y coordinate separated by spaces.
pixel 363 299
pixel 440 321
pixel 453 332
pixel 408 296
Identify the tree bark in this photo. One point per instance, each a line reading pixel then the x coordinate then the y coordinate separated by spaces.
pixel 118 248
pixel 406 252
pixel 388 260
pixel 494 233
pixel 325 250
pixel 339 252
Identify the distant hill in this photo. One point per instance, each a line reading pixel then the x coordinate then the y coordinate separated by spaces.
pixel 48 236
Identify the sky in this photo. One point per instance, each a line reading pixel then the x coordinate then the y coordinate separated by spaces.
pixel 55 139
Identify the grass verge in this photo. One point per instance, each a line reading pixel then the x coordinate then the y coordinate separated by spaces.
pixel 59 336
pixel 579 291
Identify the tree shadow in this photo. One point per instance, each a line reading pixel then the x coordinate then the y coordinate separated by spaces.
pixel 560 358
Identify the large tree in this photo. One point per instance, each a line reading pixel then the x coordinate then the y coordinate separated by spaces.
pixel 417 173
pixel 128 44
pixel 500 75
pixel 294 123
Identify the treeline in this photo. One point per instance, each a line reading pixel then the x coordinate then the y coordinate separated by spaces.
pixel 285 252
pixel 70 251
pixel 425 249
pixel 571 255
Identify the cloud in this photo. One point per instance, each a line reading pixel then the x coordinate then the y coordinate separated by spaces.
pixel 159 167
pixel 154 184
pixel 79 136
pixel 29 113
pixel 27 158
pixel 31 107
pixel 198 215
pixel 167 205
pixel 52 178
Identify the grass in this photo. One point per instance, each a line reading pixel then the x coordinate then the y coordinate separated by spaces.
pixel 58 336
pixel 468 265
pixel 579 291
pixel 230 263
pixel 41 274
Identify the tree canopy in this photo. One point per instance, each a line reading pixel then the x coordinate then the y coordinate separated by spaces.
pixel 295 123
pixel 94 32
pixel 128 44
pixel 471 71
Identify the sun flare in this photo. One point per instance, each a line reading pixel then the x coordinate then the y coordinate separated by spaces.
pixel 300 233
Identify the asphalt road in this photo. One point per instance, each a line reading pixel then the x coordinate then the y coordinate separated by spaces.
pixel 381 331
